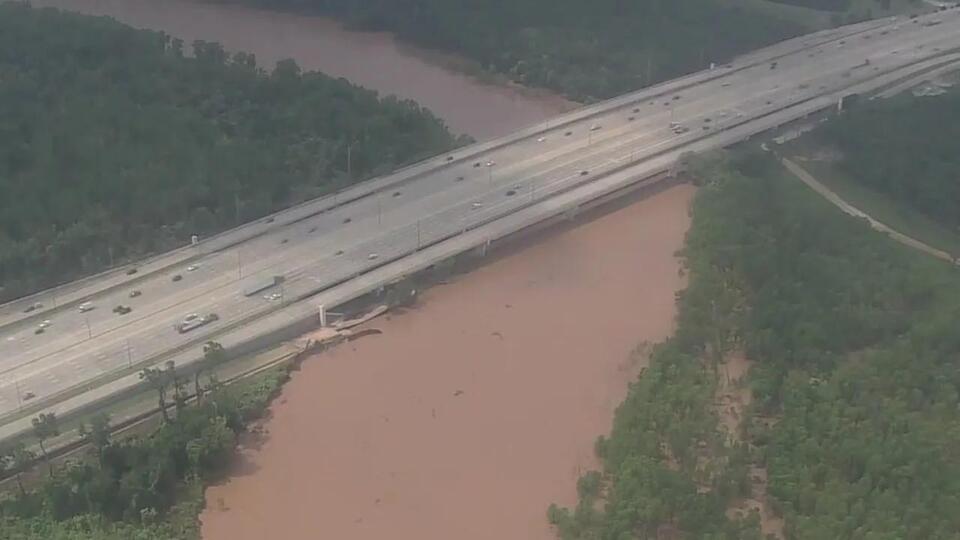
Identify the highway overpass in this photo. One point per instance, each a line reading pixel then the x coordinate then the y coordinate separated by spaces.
pixel 336 248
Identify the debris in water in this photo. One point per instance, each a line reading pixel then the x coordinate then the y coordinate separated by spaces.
pixel 458 392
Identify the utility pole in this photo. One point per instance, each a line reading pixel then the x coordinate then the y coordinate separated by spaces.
pixel 16 382
pixel 86 318
pixel 129 355
pixel 239 265
pixel 350 161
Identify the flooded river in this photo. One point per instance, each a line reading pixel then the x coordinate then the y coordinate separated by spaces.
pixel 471 413
pixel 373 60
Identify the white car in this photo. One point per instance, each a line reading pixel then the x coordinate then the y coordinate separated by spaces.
pixel 541 139
pixel 372 256
pixel 491 163
pixel 85 307
pixel 272 297
pixel 595 127
pixel 44 324
pixel 193 267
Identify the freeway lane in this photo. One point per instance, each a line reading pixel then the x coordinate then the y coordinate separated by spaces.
pixel 431 207
pixel 87 287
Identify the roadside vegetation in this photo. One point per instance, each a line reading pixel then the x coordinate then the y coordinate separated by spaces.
pixel 116 143
pixel 136 488
pixel 851 427
pixel 902 149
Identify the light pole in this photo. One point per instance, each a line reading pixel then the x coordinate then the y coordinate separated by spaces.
pixel 129 355
pixel 239 265
pixel 86 319
pixel 16 383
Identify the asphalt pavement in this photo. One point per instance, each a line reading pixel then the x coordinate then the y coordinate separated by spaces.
pixel 329 242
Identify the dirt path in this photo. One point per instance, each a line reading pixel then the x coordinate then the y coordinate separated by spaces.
pixel 848 208
pixel 470 414
pixel 731 402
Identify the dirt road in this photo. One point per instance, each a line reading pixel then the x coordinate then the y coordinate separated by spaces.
pixel 473 412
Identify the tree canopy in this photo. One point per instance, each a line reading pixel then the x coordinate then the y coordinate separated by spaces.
pixel 587 50
pixel 855 379
pixel 906 149
pixel 117 142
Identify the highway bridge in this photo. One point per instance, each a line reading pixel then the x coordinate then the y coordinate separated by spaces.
pixel 336 248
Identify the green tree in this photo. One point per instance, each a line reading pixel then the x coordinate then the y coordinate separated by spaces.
pixel 16 459
pixel 214 355
pixel 96 434
pixel 46 426
pixel 160 379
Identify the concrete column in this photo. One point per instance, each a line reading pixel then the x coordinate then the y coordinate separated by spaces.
pixel 323 316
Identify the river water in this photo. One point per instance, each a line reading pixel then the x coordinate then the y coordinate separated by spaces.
pixel 471 413
pixel 373 60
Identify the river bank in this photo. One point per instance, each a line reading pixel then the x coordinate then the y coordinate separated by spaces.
pixel 486 399
pixel 370 59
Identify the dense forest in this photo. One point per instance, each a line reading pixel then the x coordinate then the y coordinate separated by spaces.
pixel 881 147
pixel 148 488
pixel 586 50
pixel 117 142
pixel 854 381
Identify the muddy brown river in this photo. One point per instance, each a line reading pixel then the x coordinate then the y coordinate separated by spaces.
pixel 471 413
pixel 373 60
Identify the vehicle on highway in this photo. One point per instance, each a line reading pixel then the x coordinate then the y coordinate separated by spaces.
pixel 122 309
pixel 176 277
pixel 263 285
pixel 33 307
pixel 193 267
pixel 27 396
pixel 541 139
pixel 567 134
pixel 372 256
pixel 584 172
pixel 595 127
pixel 193 321
pixel 490 163
pixel 42 327
pixel 135 293
pixel 86 306
pixel 131 271
pixel 272 297
pixel 476 164
pixel 631 118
